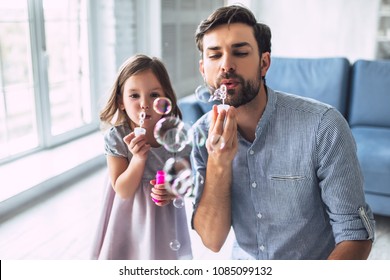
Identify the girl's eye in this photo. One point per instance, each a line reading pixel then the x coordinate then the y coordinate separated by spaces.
pixel 154 94
pixel 134 95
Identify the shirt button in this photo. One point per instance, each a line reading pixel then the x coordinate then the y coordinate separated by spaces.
pixel 259 215
pixel 251 152
pixel 254 185
pixel 262 248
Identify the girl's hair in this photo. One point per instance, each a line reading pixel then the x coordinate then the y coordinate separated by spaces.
pixel 133 66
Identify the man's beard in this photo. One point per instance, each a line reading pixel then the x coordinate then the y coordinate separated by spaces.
pixel 249 90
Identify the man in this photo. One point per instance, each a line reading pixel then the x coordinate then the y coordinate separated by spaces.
pixel 286 178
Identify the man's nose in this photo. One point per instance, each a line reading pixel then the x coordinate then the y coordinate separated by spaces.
pixel 228 64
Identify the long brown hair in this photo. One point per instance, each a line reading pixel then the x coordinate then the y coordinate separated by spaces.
pixel 134 65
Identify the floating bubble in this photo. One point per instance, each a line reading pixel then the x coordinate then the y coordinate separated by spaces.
pixel 197 136
pixel 178 177
pixel 162 105
pixel 175 245
pixel 202 93
pixel 172 133
pixel 216 142
pixel 182 186
pixel 178 202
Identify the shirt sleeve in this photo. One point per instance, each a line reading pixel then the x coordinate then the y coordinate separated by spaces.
pixel 341 180
pixel 199 158
pixel 114 144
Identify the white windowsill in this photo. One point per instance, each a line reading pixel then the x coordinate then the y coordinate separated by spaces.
pixel 34 175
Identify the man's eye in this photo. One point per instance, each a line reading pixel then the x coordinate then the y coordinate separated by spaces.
pixel 240 53
pixel 214 56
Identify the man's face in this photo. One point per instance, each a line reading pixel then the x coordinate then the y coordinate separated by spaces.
pixel 231 57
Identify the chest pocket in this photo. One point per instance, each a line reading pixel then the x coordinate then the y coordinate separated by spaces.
pixel 294 197
pixel 287 177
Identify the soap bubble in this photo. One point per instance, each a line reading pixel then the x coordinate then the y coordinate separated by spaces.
pixel 172 133
pixel 162 105
pixel 175 245
pixel 197 136
pixel 178 176
pixel 202 93
pixel 178 202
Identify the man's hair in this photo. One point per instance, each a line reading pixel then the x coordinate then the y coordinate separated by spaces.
pixel 235 14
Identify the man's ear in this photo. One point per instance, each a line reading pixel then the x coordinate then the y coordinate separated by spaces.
pixel 265 63
pixel 201 68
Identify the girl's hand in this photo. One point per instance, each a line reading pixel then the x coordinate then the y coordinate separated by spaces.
pixel 160 195
pixel 137 145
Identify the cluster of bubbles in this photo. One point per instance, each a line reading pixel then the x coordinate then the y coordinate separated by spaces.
pixel 174 135
pixel 207 94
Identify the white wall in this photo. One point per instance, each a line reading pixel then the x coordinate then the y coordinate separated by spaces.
pixel 320 28
pixel 115 39
pixel 300 28
pixel 154 27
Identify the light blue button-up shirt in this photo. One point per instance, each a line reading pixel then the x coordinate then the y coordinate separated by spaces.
pixel 297 190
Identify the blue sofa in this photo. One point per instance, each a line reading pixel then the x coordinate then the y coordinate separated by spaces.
pixel 360 91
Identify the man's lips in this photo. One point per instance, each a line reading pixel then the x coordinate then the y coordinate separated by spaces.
pixel 230 83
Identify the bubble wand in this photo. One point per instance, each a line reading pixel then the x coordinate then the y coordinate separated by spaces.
pixel 140 130
pixel 221 92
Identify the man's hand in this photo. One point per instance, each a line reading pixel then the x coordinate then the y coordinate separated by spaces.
pixel 222 141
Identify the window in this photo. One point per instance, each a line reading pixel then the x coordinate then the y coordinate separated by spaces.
pixel 45 89
pixel 179 20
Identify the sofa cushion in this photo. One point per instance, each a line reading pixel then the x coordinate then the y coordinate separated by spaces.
pixel 192 109
pixel 373 149
pixel 323 79
pixel 370 93
pixel 379 203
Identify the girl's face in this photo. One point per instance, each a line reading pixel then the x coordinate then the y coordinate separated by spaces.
pixel 139 92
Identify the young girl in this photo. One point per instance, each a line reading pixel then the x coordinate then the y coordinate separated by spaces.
pixel 133 226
